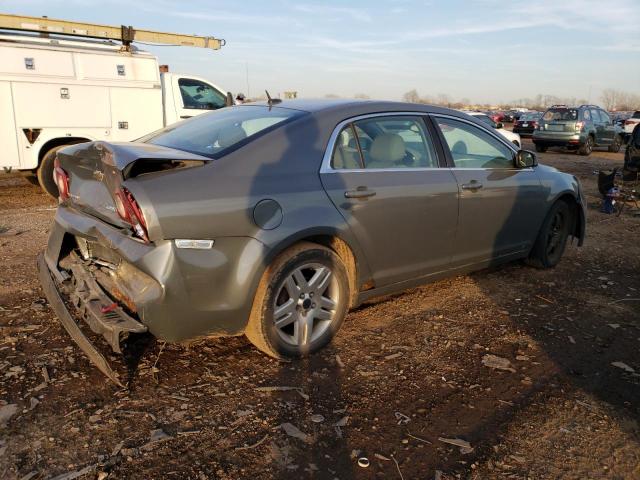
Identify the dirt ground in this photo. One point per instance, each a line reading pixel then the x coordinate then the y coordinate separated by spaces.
pixel 404 373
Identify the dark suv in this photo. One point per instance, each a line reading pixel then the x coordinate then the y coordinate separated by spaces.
pixel 577 128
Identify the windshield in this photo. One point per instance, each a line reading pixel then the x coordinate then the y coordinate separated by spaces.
pixel 560 114
pixel 214 134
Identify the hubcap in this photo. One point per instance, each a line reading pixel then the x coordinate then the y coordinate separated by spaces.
pixel 305 305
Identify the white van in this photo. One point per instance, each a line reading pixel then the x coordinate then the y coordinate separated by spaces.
pixel 56 92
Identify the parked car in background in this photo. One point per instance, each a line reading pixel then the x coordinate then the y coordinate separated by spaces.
pixel 630 123
pixel 496 116
pixel 620 117
pixel 577 128
pixel 527 123
pixel 498 126
pixel 273 220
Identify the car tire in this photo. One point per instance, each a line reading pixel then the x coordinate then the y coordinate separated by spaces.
pixel 616 145
pixel 541 148
pixel 552 238
pixel 297 308
pixel 45 172
pixel 587 147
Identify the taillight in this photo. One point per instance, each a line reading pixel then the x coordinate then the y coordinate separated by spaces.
pixel 579 126
pixel 61 180
pixel 130 212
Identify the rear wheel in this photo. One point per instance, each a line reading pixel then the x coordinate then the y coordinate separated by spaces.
pixel 552 238
pixel 617 143
pixel 300 303
pixel 541 148
pixel 587 147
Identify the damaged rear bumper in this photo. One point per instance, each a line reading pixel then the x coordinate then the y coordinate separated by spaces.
pixel 51 291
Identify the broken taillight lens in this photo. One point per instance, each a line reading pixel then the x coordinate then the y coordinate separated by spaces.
pixel 130 212
pixel 61 179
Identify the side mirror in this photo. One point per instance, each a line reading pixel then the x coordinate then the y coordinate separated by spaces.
pixel 499 125
pixel 525 159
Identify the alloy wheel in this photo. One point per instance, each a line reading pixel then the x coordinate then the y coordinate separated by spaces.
pixel 556 233
pixel 306 304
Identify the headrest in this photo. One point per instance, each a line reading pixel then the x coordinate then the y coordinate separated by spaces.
pixel 387 147
pixel 231 135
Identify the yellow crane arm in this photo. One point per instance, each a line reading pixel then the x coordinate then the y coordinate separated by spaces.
pixel 126 34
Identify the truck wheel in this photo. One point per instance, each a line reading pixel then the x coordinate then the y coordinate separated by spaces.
pixel 45 172
pixel 587 147
pixel 300 303
pixel 617 143
pixel 541 148
pixel 552 238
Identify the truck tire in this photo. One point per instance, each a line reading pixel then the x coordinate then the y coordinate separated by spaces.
pixel 45 172
pixel 300 303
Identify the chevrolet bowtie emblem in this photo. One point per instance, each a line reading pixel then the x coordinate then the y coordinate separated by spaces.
pixel 98 175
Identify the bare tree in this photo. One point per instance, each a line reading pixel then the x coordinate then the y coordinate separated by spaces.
pixel 609 98
pixel 411 96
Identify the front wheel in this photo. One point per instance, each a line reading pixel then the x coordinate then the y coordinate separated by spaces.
pixel 552 238
pixel 617 143
pixel 587 147
pixel 300 303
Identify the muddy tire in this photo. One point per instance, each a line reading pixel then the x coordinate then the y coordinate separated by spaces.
pixel 616 145
pixel 587 147
pixel 45 172
pixel 300 303
pixel 552 238
pixel 541 148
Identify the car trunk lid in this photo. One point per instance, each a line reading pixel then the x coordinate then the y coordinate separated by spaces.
pixel 99 172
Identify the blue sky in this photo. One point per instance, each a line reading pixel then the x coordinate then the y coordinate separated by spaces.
pixel 484 50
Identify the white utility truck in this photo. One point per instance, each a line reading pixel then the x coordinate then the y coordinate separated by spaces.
pixel 71 82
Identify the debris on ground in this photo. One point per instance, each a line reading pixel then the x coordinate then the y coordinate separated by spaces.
pixel 499 363
pixel 465 447
pixel 294 431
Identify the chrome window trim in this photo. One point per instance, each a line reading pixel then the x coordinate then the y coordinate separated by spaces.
pixel 328 153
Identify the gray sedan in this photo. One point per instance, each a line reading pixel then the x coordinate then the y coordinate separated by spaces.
pixel 273 220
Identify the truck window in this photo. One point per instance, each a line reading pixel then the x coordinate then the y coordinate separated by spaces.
pixel 200 95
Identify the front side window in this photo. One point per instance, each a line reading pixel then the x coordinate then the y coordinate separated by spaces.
pixel 385 143
pixel 471 147
pixel 595 116
pixel 214 134
pixel 199 95
pixel 604 116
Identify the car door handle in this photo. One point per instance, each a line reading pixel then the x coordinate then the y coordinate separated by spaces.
pixel 473 185
pixel 360 192
pixel 186 116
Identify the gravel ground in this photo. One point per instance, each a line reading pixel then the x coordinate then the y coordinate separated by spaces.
pixel 411 382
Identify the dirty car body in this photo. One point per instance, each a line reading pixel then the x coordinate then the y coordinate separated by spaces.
pixel 175 233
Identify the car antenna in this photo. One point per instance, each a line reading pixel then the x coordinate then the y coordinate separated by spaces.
pixel 272 101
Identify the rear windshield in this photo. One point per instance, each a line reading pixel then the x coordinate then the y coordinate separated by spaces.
pixel 560 114
pixel 215 134
pixel 530 116
pixel 636 115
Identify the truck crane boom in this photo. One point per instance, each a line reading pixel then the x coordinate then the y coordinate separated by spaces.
pixel 123 33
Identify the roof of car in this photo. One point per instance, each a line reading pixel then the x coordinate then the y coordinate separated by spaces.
pixel 324 104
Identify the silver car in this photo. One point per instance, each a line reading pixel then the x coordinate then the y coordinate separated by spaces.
pixel 273 220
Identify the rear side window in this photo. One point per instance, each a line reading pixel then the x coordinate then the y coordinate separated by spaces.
pixel 586 115
pixel 560 115
pixel 385 143
pixel 215 134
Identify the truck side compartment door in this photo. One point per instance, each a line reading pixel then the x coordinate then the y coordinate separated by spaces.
pixel 193 96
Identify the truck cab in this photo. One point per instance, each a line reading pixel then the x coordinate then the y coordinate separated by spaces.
pixel 185 96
